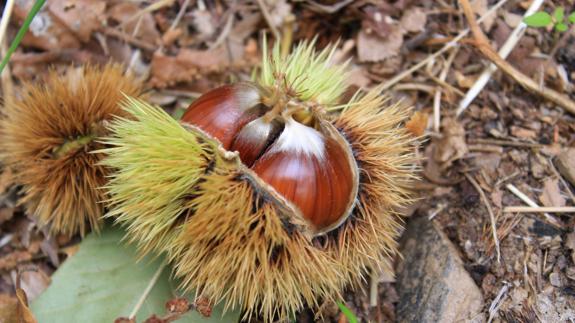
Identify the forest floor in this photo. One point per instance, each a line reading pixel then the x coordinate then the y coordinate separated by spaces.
pixel 508 144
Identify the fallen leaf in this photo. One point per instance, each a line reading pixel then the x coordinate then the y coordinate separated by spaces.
pixel 551 195
pixel 480 7
pixel 123 14
pixel 8 308
pixel 413 20
pixel 24 313
pixel 418 123
pixel 80 16
pixel 452 145
pixel 33 282
pixel 12 259
pixel 46 31
pixel 372 48
pixel 566 165
pixel 523 133
pixel 189 64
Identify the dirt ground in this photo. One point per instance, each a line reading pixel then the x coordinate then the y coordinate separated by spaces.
pixel 507 143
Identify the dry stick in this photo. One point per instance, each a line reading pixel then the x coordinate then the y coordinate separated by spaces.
pixel 445 48
pixel 539 209
pixel 504 51
pixel 6 14
pixel 268 18
pixel 437 96
pixel 147 291
pixel 128 39
pixel 531 203
pixel 180 15
pixel 491 215
pixel 482 43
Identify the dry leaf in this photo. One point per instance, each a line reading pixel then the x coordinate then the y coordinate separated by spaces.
pixel 551 195
pixel 480 7
pixel 123 14
pixel 452 145
pixel 189 64
pixel 80 16
pixel 24 313
pixel 413 20
pixel 33 282
pixel 372 48
pixel 8 308
pixel 418 123
pixel 46 31
pixel 12 259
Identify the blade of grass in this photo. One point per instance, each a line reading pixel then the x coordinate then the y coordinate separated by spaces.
pixel 347 312
pixel 35 9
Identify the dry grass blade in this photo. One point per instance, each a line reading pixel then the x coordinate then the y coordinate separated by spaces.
pixel 491 214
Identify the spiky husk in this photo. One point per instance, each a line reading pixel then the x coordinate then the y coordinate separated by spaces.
pixel 46 139
pixel 230 236
pixel 307 74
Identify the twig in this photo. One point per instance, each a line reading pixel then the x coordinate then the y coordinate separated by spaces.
pixel 437 96
pixel 147 291
pixel 226 31
pixel 504 51
pixel 6 14
pixel 531 203
pixel 445 48
pixel 268 18
pixel 180 15
pixel 150 8
pixel 498 142
pixel 128 39
pixel 482 43
pixel 328 9
pixel 491 215
pixel 539 209
pixel 494 307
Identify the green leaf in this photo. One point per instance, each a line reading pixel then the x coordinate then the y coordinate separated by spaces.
pixel 559 14
pixel 561 27
pixel 571 18
pixel 538 19
pixel 21 32
pixel 347 312
pixel 103 281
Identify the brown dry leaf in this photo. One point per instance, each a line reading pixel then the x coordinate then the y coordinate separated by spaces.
pixel 523 133
pixel 189 64
pixel 566 165
pixel 464 81
pixel 24 313
pixel 80 16
pixel 12 259
pixel 147 31
pixel 171 36
pixel 551 195
pixel 46 31
pixel 452 145
pixel 8 309
pixel 480 7
pixel 33 282
pixel 372 48
pixel 418 123
pixel 413 20
pixel 511 19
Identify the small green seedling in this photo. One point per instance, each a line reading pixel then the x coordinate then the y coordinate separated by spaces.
pixel 558 20
pixel 347 312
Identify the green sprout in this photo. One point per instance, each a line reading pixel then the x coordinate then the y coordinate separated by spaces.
pixel 558 20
